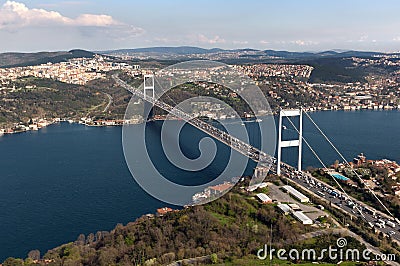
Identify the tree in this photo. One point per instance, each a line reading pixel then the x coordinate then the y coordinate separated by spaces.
pixel 336 164
pixel 81 240
pixel 214 258
pixel 34 254
pixel 13 262
pixel 90 238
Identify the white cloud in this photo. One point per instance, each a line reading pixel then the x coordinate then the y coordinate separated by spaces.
pixel 264 42
pixel 15 15
pixel 303 43
pixel 396 39
pixel 240 42
pixel 95 20
pixel 201 38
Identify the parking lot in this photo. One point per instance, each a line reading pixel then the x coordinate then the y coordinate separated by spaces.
pixel 280 196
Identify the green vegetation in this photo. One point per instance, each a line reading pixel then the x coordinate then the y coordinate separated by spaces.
pixel 190 90
pixel 336 70
pixel 120 97
pixel 29 98
pixel 229 230
pixel 44 98
pixel 32 59
pixel 253 260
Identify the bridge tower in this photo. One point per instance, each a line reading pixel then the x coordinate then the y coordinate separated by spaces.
pixel 148 85
pixel 289 143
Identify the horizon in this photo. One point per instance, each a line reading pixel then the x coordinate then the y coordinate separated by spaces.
pixel 337 50
pixel 43 25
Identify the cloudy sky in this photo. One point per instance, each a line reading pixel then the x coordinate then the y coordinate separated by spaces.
pixel 307 25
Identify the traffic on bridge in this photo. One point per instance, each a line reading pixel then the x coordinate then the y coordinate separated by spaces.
pixel 353 208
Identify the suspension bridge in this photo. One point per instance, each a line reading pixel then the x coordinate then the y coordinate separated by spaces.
pixel 259 156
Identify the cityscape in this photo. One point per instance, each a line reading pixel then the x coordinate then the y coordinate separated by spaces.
pixel 190 137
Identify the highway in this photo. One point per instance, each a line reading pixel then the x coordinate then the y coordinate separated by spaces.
pixel 353 207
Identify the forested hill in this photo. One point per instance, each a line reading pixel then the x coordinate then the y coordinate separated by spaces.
pixel 231 228
pixel 32 59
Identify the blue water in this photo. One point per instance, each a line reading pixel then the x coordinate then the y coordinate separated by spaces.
pixel 70 179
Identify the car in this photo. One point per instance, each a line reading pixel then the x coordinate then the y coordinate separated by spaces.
pixel 391 224
pixel 380 225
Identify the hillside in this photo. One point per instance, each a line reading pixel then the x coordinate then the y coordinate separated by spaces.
pixel 255 53
pixel 181 50
pixel 336 69
pixel 31 59
pixel 34 97
pixel 233 227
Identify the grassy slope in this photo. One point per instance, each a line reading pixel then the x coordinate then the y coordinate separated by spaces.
pixel 234 227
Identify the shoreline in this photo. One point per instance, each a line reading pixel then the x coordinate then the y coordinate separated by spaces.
pixel 56 127
pixel 43 123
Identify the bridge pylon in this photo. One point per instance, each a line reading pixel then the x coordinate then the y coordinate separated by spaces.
pixel 289 143
pixel 148 86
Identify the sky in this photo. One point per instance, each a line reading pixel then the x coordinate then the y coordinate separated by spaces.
pixel 294 25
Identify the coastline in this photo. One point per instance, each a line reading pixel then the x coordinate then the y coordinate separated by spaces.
pixel 83 135
pixel 42 123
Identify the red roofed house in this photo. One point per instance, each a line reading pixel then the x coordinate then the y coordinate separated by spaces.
pixel 214 190
pixel 163 211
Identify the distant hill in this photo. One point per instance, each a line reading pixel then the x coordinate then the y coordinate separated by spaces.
pixel 30 59
pixel 288 55
pixel 329 66
pixel 181 50
pixel 189 50
pixel 185 52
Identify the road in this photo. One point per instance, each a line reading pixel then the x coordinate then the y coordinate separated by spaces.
pixel 377 219
pixel 110 100
pixel 358 209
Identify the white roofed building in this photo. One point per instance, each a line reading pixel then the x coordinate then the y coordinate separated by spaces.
pixel 264 198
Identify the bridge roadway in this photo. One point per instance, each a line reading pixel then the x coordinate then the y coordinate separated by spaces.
pixel 265 159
